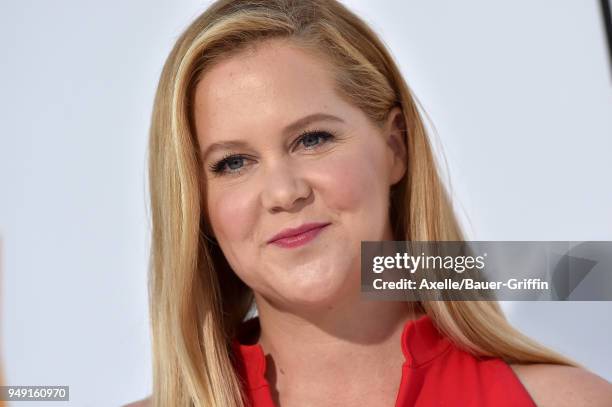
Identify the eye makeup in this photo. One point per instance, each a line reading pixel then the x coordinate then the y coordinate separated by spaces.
pixel 218 168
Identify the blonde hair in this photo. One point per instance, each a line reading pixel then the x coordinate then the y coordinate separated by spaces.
pixel 196 301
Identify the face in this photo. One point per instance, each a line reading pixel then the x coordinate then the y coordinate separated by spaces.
pixel 298 154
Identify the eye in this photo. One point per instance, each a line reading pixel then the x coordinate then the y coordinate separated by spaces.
pixel 233 161
pixel 310 139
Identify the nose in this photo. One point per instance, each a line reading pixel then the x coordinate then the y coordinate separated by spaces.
pixel 284 187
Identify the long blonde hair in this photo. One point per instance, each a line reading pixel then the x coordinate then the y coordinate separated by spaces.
pixel 196 300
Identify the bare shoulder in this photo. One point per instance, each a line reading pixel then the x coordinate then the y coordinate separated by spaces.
pixel 140 403
pixel 556 385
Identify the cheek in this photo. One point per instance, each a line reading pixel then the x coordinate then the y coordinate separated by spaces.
pixel 230 213
pixel 355 181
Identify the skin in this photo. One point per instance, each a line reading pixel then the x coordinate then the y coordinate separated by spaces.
pixel 311 294
pixel 564 386
pixel 284 184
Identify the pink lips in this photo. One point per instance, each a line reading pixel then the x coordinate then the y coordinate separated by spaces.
pixel 297 236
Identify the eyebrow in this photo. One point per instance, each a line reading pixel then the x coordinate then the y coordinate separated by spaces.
pixel 291 128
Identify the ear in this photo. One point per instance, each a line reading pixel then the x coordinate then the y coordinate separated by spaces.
pixel 395 133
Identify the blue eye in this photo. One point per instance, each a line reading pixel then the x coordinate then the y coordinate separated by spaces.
pixel 310 140
pixel 314 136
pixel 231 161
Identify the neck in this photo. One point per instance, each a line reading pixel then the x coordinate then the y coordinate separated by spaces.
pixel 337 345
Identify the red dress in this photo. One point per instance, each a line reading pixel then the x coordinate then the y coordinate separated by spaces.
pixel 435 373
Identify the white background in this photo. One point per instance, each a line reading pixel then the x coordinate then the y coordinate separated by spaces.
pixel 520 93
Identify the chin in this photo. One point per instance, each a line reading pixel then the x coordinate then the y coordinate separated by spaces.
pixel 316 292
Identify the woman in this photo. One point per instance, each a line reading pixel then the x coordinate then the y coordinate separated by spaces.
pixel 283 135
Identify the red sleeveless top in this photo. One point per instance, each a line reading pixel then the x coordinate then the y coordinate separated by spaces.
pixel 435 373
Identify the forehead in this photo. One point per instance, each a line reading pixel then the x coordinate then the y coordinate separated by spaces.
pixel 268 85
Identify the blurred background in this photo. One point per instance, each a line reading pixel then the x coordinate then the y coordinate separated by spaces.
pixel 520 94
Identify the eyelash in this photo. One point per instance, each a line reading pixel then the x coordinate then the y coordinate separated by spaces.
pixel 218 168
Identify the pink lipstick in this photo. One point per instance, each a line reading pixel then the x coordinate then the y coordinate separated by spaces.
pixel 299 236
